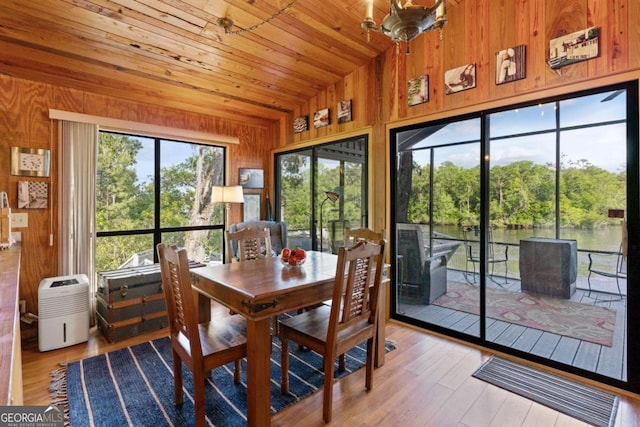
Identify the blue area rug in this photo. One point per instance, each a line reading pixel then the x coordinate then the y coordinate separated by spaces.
pixel 134 386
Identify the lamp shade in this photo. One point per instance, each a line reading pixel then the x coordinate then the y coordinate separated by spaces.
pixel 227 194
pixel 333 196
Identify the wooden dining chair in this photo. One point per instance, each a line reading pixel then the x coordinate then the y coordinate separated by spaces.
pixel 354 235
pixel 248 244
pixel 202 347
pixel 350 320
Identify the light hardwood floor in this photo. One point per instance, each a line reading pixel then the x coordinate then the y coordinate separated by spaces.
pixel 426 381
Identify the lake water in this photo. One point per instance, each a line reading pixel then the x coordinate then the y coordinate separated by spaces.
pixel 606 239
pixel 602 239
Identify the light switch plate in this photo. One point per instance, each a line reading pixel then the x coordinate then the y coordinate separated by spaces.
pixel 19 220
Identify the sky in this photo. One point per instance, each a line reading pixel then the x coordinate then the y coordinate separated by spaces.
pixel 171 153
pixel 603 146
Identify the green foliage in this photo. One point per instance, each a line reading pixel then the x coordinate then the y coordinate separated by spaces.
pixel 521 193
pixel 123 203
pixel 295 190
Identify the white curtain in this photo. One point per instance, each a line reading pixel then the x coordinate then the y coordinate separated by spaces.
pixel 78 163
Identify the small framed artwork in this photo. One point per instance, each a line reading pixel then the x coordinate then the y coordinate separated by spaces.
pixel 344 111
pixel 251 207
pixel 300 124
pixel 321 118
pixel 459 79
pixel 574 47
pixel 33 195
pixel 418 90
pixel 251 178
pixel 30 161
pixel 510 64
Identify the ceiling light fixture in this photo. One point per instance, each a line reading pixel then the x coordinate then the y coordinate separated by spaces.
pixel 404 23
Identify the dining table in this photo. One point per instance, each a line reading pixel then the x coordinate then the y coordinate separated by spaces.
pixel 260 289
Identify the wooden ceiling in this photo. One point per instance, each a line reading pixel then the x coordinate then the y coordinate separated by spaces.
pixel 171 52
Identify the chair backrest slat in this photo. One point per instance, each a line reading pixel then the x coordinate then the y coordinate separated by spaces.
pixel 251 243
pixel 357 282
pixel 354 235
pixel 180 302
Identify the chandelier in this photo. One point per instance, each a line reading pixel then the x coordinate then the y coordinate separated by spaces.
pixel 404 23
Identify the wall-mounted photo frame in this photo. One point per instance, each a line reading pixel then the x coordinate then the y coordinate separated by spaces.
pixel 459 79
pixel 301 124
pixel 251 207
pixel 510 64
pixel 575 47
pixel 30 161
pixel 251 178
pixel 418 90
pixel 344 111
pixel 33 195
pixel 321 118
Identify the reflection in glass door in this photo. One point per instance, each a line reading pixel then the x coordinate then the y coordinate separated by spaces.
pixel 511 230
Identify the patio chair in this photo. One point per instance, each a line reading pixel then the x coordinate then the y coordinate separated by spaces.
pixel 613 266
pixel 202 347
pixel 351 319
pixel 418 272
pixel 497 254
pixel 602 264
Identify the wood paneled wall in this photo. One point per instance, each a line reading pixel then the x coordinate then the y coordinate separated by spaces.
pixel 24 122
pixel 477 29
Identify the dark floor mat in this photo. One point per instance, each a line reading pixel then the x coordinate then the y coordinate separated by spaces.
pixel 581 401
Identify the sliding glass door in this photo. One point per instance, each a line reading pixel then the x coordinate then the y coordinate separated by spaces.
pixel 321 192
pixel 511 229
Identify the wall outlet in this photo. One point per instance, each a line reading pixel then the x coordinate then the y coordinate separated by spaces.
pixel 23 306
pixel 19 220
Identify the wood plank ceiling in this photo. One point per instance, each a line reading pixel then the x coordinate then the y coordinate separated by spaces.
pixel 172 52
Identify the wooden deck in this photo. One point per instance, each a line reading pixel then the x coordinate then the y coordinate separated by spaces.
pixel 604 360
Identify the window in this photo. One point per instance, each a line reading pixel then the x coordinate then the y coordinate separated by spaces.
pixel 321 192
pixel 152 190
pixel 473 194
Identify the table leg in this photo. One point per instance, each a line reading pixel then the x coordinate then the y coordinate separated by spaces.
pixel 258 372
pixel 204 308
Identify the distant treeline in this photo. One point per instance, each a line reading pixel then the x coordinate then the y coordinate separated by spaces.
pixel 521 194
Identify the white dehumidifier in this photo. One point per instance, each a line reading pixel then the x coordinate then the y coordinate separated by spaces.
pixel 63 311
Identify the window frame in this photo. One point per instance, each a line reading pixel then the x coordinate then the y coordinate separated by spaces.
pixel 158 230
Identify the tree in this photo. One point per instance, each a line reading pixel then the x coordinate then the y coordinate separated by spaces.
pixel 209 166
pixel 120 203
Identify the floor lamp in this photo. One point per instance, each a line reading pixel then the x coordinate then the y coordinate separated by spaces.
pixel 330 196
pixel 227 195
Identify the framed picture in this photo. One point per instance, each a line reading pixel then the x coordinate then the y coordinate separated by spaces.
pixel 321 118
pixel 251 207
pixel 574 47
pixel 418 90
pixel 459 79
pixel 30 161
pixel 510 64
pixel 251 178
pixel 344 111
pixel 301 124
pixel 33 195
